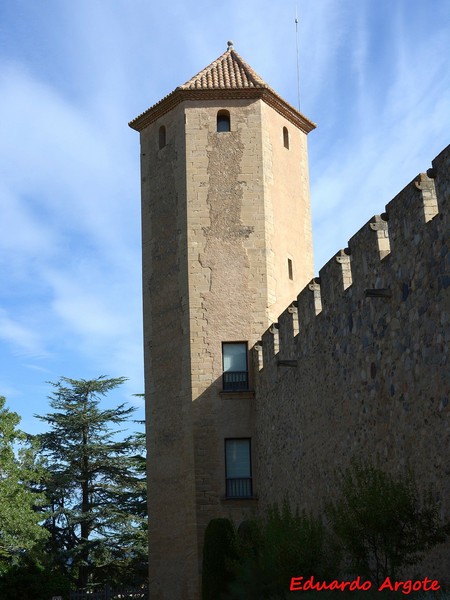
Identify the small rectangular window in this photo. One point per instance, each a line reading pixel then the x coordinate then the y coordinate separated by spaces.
pixel 286 138
pixel 290 270
pixel 238 468
pixel 223 121
pixel 235 368
pixel 162 137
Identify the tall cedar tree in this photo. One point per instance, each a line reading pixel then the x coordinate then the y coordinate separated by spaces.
pixel 95 484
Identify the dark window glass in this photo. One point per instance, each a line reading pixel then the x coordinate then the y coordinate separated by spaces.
pixel 290 270
pixel 238 468
pixel 286 137
pixel 162 137
pixel 223 121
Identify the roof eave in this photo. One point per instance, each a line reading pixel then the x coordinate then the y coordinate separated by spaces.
pixel 179 95
pixel 286 110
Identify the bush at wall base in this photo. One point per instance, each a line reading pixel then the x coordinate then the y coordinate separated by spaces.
pixel 219 551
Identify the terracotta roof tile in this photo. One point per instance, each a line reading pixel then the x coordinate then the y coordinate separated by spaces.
pixel 229 71
pixel 229 76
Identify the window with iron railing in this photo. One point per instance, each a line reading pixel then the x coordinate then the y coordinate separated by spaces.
pixel 238 468
pixel 235 366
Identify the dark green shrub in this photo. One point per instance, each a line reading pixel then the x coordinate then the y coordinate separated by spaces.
pixel 276 548
pixel 34 581
pixel 219 552
pixel 383 524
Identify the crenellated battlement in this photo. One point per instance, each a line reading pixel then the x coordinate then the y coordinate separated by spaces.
pixel 379 264
pixel 358 365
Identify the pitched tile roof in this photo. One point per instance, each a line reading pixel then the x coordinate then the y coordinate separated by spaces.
pixel 229 71
pixel 228 77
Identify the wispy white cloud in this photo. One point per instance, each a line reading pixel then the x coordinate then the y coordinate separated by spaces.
pixel 23 339
pixel 22 233
pixel 391 108
pixel 373 77
pixel 87 303
pixel 62 162
pixel 69 233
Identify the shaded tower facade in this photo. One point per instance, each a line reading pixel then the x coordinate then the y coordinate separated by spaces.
pixel 226 231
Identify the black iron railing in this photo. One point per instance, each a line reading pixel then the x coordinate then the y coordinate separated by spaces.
pixel 239 487
pixel 235 381
pixel 108 593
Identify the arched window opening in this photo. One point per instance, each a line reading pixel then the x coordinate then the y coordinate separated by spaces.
pixel 286 137
pixel 162 137
pixel 223 121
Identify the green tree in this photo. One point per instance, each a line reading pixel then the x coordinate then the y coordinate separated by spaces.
pixel 383 523
pixel 19 522
pixel 95 484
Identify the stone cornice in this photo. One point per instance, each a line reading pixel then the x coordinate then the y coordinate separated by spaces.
pixel 181 95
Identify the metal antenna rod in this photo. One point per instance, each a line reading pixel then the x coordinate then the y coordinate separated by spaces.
pixel 298 68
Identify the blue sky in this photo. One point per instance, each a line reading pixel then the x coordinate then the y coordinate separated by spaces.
pixel 374 76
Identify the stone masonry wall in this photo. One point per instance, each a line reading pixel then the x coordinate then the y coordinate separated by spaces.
pixel 173 556
pixel 358 365
pixel 288 231
pixel 221 214
pixel 237 193
pixel 226 275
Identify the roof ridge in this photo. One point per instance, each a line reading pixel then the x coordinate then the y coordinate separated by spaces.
pixel 258 80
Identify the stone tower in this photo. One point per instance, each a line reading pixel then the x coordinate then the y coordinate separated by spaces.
pixel 227 244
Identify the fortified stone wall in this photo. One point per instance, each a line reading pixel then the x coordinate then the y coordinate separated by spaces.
pixel 358 365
